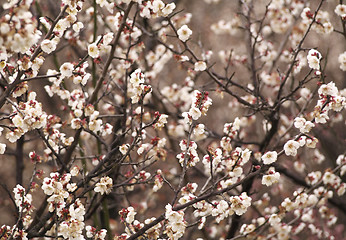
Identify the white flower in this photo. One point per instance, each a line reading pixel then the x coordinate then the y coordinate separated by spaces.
pixel 311 142
pixel 342 59
pixel 168 9
pixel 195 113
pixel 307 127
pixel 157 5
pixel 314 58
pixel 288 204
pixel 330 178
pixel 77 210
pixel 76 123
pixel 75 171
pixel 93 50
pixel 101 234
pixel 183 58
pixel 220 211
pixel 200 66
pixel 107 129
pixel 137 78
pixel 72 229
pixel 184 33
pixel 299 122
pixel 161 121
pixel 269 157
pixel 48 46
pixel 340 10
pixel 66 69
pixel 101 2
pixel 2 148
pixel 123 148
pixel 291 148
pixel 107 38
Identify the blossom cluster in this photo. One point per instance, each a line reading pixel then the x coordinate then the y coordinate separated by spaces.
pixel 175 228
pixel 108 103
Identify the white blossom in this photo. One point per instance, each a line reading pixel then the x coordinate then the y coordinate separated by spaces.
pixel 291 148
pixel 66 69
pixel 184 33
pixel 342 59
pixel 340 10
pixel 93 50
pixel 2 148
pixel 200 66
pixel 269 157
pixel 48 46
pixel 314 58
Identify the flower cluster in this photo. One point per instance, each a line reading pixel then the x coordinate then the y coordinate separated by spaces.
pixel 227 27
pixel 271 177
pixel 303 125
pixel 137 86
pixel 28 116
pixel 200 105
pixel 72 227
pixel 122 127
pixel 23 201
pixel 104 186
pixel 239 204
pixel 18 38
pixel 189 156
pixel 127 215
pixel 156 8
pixel 161 120
pixel 95 48
pixel 155 150
pixel 231 129
pixel 92 233
pixel 321 25
pixel 58 188
pixel 176 224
